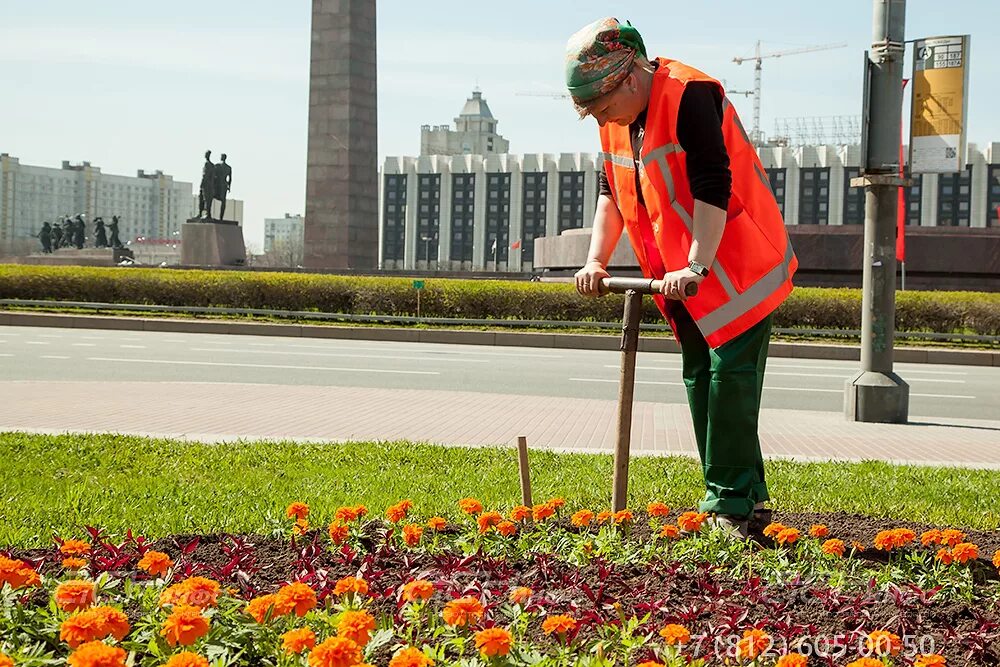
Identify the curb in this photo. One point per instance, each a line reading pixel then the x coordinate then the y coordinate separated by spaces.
pixel 912 355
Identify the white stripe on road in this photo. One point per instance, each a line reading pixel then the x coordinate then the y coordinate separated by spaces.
pixel 84 344
pixel 340 354
pixel 133 347
pixel 52 356
pixel 49 336
pixel 37 342
pixel 334 341
pixel 9 334
pixel 6 355
pixel 944 396
pixel 304 368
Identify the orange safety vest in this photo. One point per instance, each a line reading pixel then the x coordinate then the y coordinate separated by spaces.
pixel 753 268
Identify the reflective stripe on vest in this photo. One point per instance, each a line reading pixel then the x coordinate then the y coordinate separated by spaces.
pixel 619 160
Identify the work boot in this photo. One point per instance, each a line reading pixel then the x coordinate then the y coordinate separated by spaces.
pixel 733 527
pixel 761 514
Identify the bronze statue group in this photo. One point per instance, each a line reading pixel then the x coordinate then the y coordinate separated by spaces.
pixel 72 233
pixel 216 181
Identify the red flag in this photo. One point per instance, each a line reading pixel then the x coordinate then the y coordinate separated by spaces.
pixel 515 245
pixel 901 203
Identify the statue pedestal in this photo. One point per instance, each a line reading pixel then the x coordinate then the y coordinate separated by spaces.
pixel 78 257
pixel 212 243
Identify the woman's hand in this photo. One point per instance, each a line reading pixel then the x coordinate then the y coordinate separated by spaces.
pixel 588 279
pixel 675 283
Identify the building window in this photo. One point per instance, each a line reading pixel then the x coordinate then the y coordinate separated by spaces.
pixel 953 198
pixel 776 177
pixel 463 188
pixel 854 198
pixel 993 195
pixel 498 218
pixel 571 200
pixel 534 219
pixel 814 195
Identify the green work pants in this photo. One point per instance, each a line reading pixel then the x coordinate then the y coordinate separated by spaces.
pixel 724 388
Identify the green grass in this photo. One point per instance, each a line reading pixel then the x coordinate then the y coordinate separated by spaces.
pixel 57 484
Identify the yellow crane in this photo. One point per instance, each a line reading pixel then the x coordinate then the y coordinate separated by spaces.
pixel 757 57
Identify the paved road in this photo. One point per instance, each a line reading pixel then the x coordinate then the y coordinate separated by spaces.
pixel 35 353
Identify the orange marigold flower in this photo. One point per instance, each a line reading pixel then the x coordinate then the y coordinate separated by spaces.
pixel 6 661
pixel 623 516
pixel 74 563
pixel 944 555
pixel 470 505
pixel 787 536
pixel 657 509
pixel 582 518
pixel 111 622
pixel 419 589
pixel 97 654
pixel 604 517
pixel 520 513
pixel 487 520
pixel 398 512
pixel 75 595
pixel 259 607
pixel 952 537
pixel 184 626
pixel 866 662
pixel 298 597
pixel 882 642
pixel 996 559
pixel 559 624
pixel 187 659
pixel 346 514
pixel 773 529
pixel 520 595
pixel 691 522
pixel 887 540
pixel 412 532
pixel 753 643
pixel 463 611
pixel 155 563
pixel 930 537
pixel 356 626
pixel 507 528
pixel 17 573
pixel 650 663
pixel 193 591
pixel 674 634
pixel 542 512
pixel 74 548
pixel 410 657
pixel 301 526
pixel 964 552
pixel 338 532
pixel 834 548
pixel 494 642
pixel 79 629
pixel 818 531
pixel 336 652
pixel 351 585
pixel 857 546
pixel 297 511
pixel 671 531
pixel 557 502
pixel 298 641
pixel 792 660
pixel 436 523
pixel 930 660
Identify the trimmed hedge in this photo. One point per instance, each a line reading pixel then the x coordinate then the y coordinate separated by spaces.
pixel 814 308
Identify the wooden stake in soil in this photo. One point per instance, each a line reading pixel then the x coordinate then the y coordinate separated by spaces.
pixel 522 464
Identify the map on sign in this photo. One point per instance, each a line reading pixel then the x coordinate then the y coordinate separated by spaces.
pixel 940 94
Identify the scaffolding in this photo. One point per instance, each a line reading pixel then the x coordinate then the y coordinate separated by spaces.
pixel 817 130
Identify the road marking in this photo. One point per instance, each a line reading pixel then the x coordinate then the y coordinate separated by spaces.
pixel 943 396
pixel 37 342
pixel 230 365
pixel 6 355
pixel 340 354
pixel 49 336
pixel 9 334
pixel 52 356
pixel 263 344
pixel 478 353
pixel 134 347
pixel 84 344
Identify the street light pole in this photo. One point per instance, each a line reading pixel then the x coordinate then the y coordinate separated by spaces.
pixel 877 394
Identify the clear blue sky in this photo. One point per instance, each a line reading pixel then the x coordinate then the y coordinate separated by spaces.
pixel 133 85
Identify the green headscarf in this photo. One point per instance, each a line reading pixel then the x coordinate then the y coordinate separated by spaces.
pixel 599 57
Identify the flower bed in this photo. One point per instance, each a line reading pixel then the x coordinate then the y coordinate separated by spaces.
pixel 529 586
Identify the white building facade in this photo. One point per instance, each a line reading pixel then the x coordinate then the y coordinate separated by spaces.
pixel 444 212
pixel 279 232
pixel 475 132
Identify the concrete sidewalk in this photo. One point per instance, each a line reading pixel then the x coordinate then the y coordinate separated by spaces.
pixel 218 412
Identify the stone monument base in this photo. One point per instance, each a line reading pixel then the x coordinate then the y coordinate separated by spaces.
pixel 78 257
pixel 212 243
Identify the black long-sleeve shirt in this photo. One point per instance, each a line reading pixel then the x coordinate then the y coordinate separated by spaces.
pixel 699 131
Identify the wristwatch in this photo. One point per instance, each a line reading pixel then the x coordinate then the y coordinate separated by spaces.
pixel 700 269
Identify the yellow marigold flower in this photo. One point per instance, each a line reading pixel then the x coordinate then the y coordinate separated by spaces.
pixel 753 643
pixel 470 506
pixel 792 660
pixel 297 510
pixel 866 662
pixel 930 537
pixel 298 641
pixel 604 517
pixel 674 634
pixel 657 509
pixel 298 597
pixel 75 595
pixel 336 652
pixel 559 624
pixel 623 516
pixel 436 523
pixel 419 589
pixel 463 611
pixel 410 657
pixel 582 518
pixel 964 552
pixel 487 520
pixel 74 548
pixel 17 573
pixel 338 532
pixel 670 531
pixel 187 659
pixel 542 512
pixel 350 585
pixel 881 642
pixel 493 642
pixel 834 548
pixel 930 660
pixel 97 654
pixel 184 626
pixel 412 532
pixel 520 513
pixel 818 531
pixel 356 626
pixel 156 563
pixel 507 528
pixel 773 529
pixel 74 563
pixel 691 522
pixel 520 595
pixel 952 537
pixel 259 607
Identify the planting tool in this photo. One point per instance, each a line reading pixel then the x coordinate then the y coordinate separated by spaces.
pixel 633 289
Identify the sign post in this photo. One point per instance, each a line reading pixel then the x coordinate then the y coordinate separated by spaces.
pixel 418 285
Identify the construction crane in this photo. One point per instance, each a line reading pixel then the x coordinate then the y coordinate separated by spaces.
pixel 757 57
